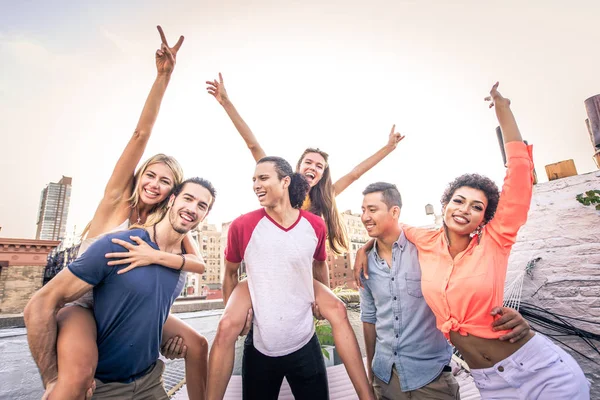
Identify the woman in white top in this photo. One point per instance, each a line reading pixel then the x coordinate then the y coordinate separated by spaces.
pixel 130 198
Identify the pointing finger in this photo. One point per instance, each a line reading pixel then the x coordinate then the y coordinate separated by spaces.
pixel 178 44
pixel 162 35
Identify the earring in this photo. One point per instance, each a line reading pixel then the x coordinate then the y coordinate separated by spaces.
pixel 477 232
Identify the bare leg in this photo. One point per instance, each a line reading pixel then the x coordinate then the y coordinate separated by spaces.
pixel 77 353
pixel 222 352
pixel 334 310
pixel 196 358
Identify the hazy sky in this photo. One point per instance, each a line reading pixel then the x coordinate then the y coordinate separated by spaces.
pixel 329 74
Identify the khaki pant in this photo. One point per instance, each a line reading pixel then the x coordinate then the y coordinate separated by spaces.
pixel 444 387
pixel 147 387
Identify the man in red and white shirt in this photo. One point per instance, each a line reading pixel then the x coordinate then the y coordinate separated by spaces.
pixel 280 245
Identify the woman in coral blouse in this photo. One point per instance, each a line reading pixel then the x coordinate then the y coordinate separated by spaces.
pixel 463 272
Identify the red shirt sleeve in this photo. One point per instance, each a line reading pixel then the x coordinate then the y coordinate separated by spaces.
pixel 233 251
pixel 321 232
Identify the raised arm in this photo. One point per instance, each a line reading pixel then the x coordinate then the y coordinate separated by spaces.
pixel 40 319
pixel 119 184
pixel 341 184
pixel 217 89
pixel 517 190
pixel 506 119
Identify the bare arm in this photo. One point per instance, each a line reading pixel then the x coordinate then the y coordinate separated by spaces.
pixel 142 254
pixel 506 119
pixel 230 279
pixel 119 184
pixel 217 89
pixel 517 189
pixel 321 272
pixel 40 319
pixel 341 184
pixel 370 339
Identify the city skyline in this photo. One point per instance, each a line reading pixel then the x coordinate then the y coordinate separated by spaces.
pixel 53 210
pixel 75 78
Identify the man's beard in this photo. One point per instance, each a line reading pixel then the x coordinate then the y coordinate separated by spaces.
pixel 173 218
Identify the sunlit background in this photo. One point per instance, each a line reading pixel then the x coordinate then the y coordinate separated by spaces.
pixel 329 74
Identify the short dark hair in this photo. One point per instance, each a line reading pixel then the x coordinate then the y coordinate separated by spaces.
pixel 389 193
pixel 198 181
pixel 479 182
pixel 298 188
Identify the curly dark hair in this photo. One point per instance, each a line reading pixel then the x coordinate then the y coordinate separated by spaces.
pixel 298 188
pixel 479 182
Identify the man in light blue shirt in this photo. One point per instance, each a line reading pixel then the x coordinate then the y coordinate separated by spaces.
pixel 407 356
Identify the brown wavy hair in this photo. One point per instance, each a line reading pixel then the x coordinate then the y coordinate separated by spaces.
pixel 322 203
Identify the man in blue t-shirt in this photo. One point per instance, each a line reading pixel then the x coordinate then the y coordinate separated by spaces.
pixel 130 309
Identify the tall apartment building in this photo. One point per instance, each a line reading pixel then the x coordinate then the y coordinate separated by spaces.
pixel 341 267
pixel 224 231
pixel 210 247
pixel 53 210
pixel 208 240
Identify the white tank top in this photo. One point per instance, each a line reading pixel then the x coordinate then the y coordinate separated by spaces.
pixel 87 242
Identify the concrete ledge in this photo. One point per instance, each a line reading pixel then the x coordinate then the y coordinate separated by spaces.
pixel 182 306
pixel 12 321
pixel 16 320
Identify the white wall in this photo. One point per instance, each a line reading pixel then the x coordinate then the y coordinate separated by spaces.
pixel 566 235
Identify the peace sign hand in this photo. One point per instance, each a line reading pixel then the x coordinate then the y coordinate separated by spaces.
pixel 495 98
pixel 138 255
pixel 394 138
pixel 166 56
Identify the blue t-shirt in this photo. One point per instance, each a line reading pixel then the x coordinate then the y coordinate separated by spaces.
pixel 130 309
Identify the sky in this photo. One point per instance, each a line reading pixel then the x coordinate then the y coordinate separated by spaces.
pixel 330 74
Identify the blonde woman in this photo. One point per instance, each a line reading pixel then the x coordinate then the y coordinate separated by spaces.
pixel 71 352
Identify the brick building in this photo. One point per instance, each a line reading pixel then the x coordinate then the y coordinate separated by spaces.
pixel 341 266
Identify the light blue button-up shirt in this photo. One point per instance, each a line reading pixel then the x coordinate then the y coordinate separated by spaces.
pixel 405 325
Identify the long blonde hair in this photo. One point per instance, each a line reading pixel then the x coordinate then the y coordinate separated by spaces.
pixel 159 210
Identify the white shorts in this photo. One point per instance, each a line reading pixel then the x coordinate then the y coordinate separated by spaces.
pixel 538 370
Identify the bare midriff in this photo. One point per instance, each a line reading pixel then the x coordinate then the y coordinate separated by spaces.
pixel 484 353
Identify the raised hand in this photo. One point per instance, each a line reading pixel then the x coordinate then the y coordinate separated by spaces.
pixel 166 56
pixel 217 89
pixel 495 98
pixel 394 138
